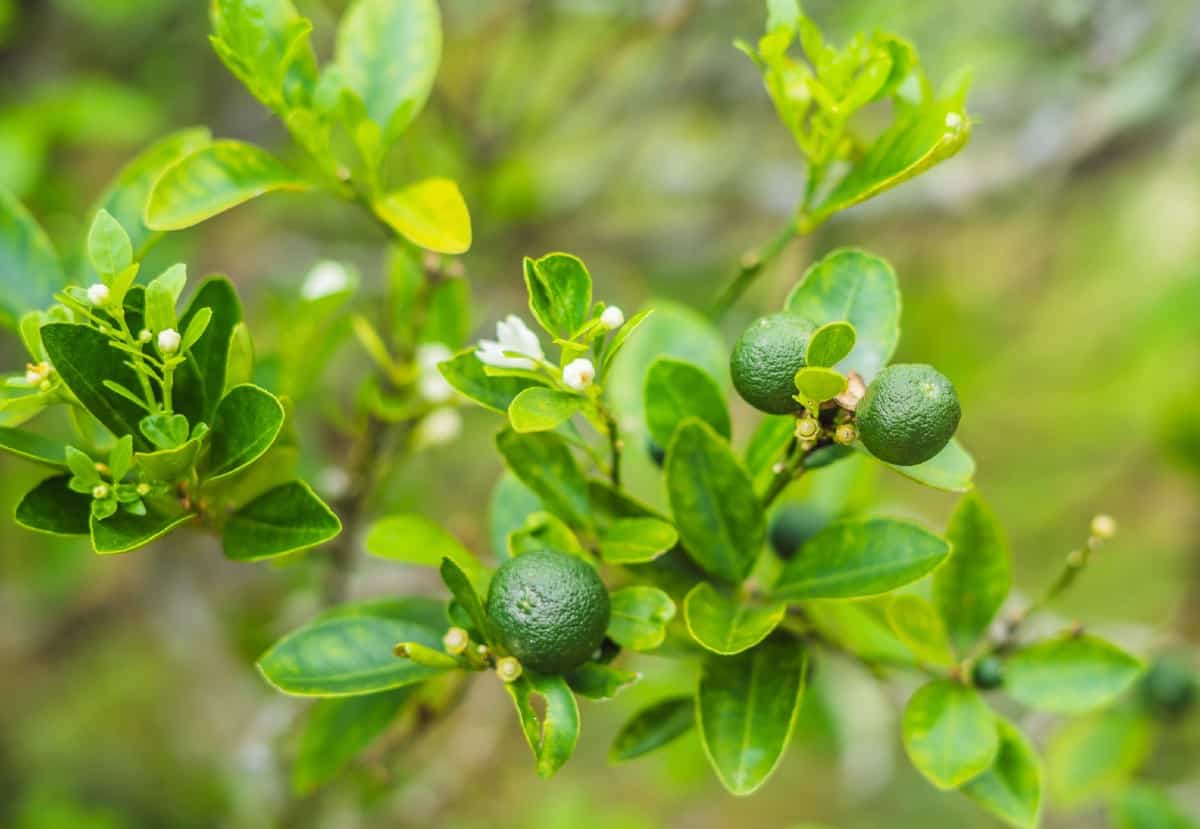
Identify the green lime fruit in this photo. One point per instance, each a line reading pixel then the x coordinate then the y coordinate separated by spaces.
pixel 1169 687
pixel 550 610
pixel 908 414
pixel 766 358
pixel 792 525
pixel 988 673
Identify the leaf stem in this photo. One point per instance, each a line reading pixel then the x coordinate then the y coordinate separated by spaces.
pixel 787 471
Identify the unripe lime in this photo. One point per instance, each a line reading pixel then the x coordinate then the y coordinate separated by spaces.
pixel 988 673
pixel 766 358
pixel 908 414
pixel 792 525
pixel 551 610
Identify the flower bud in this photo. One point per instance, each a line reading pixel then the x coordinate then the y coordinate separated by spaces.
pixel 1103 527
pixel 846 434
pixel 612 318
pixel 168 341
pixel 456 640
pixel 579 374
pixel 807 428
pixel 98 294
pixel 100 492
pixel 143 489
pixel 144 336
pixel 508 669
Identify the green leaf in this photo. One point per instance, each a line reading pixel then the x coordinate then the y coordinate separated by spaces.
pixel 746 707
pixel 30 273
pixel 265 44
pixel 1070 674
pixel 653 727
pixel 952 469
pixel 545 464
pixel 918 626
pixel 336 730
pixel 725 625
pixel 857 627
pixel 677 390
pixel 830 344
pixel 560 293
pixel 214 179
pixel 553 734
pixel 84 360
pixel 511 503
pixel 282 520
pixel 196 328
pixel 1091 757
pixel 539 409
pixel 773 434
pixel 33 447
pixel 639 617
pixel 971 586
pixel 414 539
pixel 168 465
pixel 949 733
pixel 430 213
pixel 53 507
pixel 461 587
pixel 209 356
pixel 246 423
pixel 1144 807
pixel 615 345
pixel 120 459
pixel 719 518
pixel 160 307
pixel 1012 788
pixel 124 531
pixel 862 557
pixel 852 286
pixel 108 245
pixel 466 373
pixel 164 431
pixel 80 463
pixel 636 540
pixel 543 531
pixel 347 655
pixel 816 385
pixel 388 54
pixel 600 682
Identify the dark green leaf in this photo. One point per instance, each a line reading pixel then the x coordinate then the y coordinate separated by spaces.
pixel 551 735
pixel 973 583
pixel 33 447
pixel 539 409
pixel 282 520
pixel 1070 674
pixel 30 273
pixel 636 540
pixel 52 507
pixel 246 423
pixel 338 729
pixel 1012 788
pixel 560 293
pixel 124 531
pixel 545 464
pixel 949 733
pixel 726 625
pixel 677 390
pixel 466 373
pixel 639 617
pixel 209 357
pixel 600 682
pixel 653 727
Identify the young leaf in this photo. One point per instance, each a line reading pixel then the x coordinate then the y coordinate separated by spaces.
pixel 1142 806
pixel 852 286
pixel 1012 788
pixel 971 586
pixel 214 179
pixel 83 467
pixel 244 426
pixel 599 682
pixel 719 518
pixel 414 539
pixel 919 627
pixel 1097 755
pixel 430 213
pixel 466 373
pixel 619 339
pixel 746 707
pixel 347 655
pixel 53 507
pixel 560 293
pixel 539 409
pixel 164 431
pixel 168 465
pixel 282 520
pixel 816 385
pixel 108 245
pixel 124 531
pixel 338 729
pixel 949 733
pixel 1070 674
pixel 639 617
pixel 160 307
pixel 459 584
pixel 544 464
pixel 830 344
pixel 653 727
pixel 30 273
pixel 120 459
pixel 952 469
pixel 636 540
pixel 551 735
pixel 862 557
pixel 196 328
pixel 725 625
pixel 33 447
pixel 677 390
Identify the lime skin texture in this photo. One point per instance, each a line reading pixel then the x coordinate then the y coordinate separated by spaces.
pixel 908 414
pixel 765 360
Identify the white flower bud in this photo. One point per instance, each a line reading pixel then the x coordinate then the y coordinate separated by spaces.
pixel 144 336
pixel 612 318
pixel 953 120
pixel 579 374
pixel 1104 527
pixel 35 373
pixel 100 492
pixel 439 427
pixel 98 294
pixel 326 278
pixel 168 341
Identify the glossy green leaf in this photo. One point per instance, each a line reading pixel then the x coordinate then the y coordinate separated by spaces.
pixel 265 44
pixel 639 616
pixel 1012 788
pixel 388 54
pixel 971 586
pixel 539 409
pixel 949 733
pixel 677 390
pixel 862 557
pixel 53 507
pixel 420 610
pixel 337 730
pixel 543 531
pixel 545 464
pixel 31 446
pixel 952 469
pixel 465 594
pixel 1070 674
pixel 830 344
pixel 653 727
pixel 414 539
pixel 560 292
pixel 124 532
pixel 719 518
pixel 246 423
pixel 208 357
pixel 636 540
pixel 346 655
pixel 108 245
pixel 1145 807
pixel 852 286
pixel 553 733
pixel 917 624
pixel 282 520
pixel 466 373
pixel 1094 756
pixel 169 465
pixel 600 682
pixel 214 179
pixel 746 707
pixel 84 360
pixel 430 213
pixel 30 273
pixel 726 625
pixel 815 385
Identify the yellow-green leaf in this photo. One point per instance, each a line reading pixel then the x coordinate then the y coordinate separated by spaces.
pixel 430 213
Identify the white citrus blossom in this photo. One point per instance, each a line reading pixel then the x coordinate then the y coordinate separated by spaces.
pixel 98 294
pixel 612 318
pixel 512 335
pixel 168 341
pixel 440 426
pixel 35 373
pixel 325 278
pixel 431 385
pixel 579 374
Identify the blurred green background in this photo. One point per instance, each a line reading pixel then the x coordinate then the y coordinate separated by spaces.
pixel 1052 270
